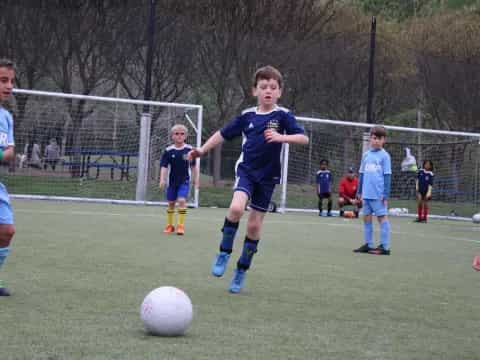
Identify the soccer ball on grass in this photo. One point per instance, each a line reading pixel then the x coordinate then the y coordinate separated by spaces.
pixel 166 311
pixel 476 218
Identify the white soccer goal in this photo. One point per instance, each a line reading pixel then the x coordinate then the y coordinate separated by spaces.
pixel 455 155
pixel 109 148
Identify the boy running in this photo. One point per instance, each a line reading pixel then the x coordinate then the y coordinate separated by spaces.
pixel 264 129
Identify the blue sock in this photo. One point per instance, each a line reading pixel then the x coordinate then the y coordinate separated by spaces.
pixel 229 230
pixel 368 233
pixel 3 254
pixel 385 234
pixel 249 249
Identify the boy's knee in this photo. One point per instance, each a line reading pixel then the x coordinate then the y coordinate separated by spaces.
pixel 236 212
pixel 6 235
pixel 254 227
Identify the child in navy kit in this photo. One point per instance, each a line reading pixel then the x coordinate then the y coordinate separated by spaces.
pixel 424 186
pixel 264 129
pixel 175 165
pixel 324 187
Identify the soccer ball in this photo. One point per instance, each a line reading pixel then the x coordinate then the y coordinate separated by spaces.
pixel 476 218
pixel 166 311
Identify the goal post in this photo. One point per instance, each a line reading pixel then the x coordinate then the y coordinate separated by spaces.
pixel 455 154
pixel 108 149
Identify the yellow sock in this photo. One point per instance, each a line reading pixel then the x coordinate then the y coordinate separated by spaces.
pixel 170 213
pixel 181 215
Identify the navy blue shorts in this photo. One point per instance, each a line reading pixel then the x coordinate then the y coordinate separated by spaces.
pixel 179 191
pixel 259 194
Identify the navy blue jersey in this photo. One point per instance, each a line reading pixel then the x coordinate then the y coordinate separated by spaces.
pixel 175 159
pixel 324 181
pixel 425 179
pixel 261 160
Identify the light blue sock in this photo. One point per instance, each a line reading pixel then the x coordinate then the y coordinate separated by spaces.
pixel 3 254
pixel 385 234
pixel 368 233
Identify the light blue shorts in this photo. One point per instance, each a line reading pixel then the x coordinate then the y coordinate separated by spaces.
pixel 374 207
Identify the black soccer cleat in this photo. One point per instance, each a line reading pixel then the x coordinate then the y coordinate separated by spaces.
pixel 4 291
pixel 380 251
pixel 363 249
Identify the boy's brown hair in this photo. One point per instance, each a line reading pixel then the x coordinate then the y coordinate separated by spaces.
pixel 266 73
pixel 378 131
pixel 7 63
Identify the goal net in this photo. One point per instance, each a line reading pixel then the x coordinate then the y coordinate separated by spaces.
pixel 92 148
pixel 455 155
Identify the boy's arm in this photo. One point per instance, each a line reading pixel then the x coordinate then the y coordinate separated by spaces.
pixel 387 181
pixel 163 176
pixel 215 140
pixel 196 176
pixel 273 136
pixel 430 188
pixel 360 185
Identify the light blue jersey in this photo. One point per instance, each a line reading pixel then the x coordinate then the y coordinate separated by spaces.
pixel 375 164
pixel 6 140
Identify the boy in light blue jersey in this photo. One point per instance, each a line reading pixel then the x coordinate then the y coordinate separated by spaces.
pixel 7 229
pixel 264 129
pixel 374 191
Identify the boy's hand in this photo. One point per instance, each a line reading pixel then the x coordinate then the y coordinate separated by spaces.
pixel 162 184
pixel 194 153
pixel 273 136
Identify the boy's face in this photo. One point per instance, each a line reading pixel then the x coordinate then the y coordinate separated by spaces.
pixel 323 166
pixel 376 142
pixel 7 78
pixel 178 136
pixel 267 93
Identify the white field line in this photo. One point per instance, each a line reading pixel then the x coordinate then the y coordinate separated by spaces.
pixel 345 223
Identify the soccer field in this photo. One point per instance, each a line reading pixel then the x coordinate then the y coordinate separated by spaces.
pixel 79 272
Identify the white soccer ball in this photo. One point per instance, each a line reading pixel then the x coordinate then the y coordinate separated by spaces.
pixel 166 311
pixel 476 218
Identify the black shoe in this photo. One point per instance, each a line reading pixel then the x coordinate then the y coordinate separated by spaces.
pixel 363 249
pixel 320 213
pixel 356 213
pixel 417 220
pixel 341 213
pixel 329 213
pixel 380 251
pixel 4 291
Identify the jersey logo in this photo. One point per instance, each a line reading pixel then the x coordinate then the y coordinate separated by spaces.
pixel 250 126
pixel 3 139
pixel 371 167
pixel 273 124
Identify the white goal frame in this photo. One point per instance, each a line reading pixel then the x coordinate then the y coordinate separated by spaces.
pixel 143 150
pixel 283 205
